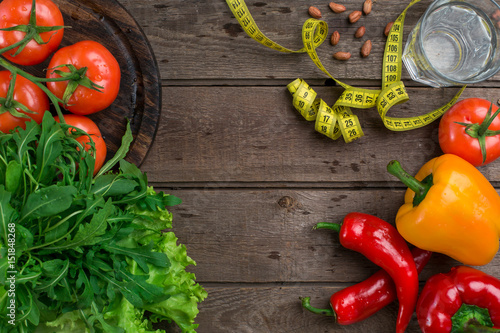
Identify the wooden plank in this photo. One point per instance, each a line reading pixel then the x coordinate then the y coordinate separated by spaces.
pixel 265 235
pixel 253 134
pixel 277 309
pixel 184 32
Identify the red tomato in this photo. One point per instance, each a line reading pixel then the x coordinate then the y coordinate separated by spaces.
pixel 17 12
pixel 454 139
pixel 28 94
pixel 103 70
pixel 87 125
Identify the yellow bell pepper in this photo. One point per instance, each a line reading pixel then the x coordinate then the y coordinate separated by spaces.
pixel 450 208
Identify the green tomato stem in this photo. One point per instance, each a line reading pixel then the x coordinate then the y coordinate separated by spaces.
pixel 481 131
pixel 17 71
pixel 10 92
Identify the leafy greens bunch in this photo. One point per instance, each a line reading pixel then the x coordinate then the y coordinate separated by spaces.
pixel 85 254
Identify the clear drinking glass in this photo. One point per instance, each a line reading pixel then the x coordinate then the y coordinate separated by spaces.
pixel 455 42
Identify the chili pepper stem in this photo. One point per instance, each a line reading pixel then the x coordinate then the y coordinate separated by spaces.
pixel 327 225
pixel 419 187
pixel 306 304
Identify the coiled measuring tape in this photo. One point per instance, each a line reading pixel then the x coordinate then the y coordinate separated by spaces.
pixel 338 120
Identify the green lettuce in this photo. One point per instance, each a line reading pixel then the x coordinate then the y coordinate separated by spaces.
pixel 92 254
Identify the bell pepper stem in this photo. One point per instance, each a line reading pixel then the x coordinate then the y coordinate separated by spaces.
pixel 419 187
pixel 477 328
pixel 306 304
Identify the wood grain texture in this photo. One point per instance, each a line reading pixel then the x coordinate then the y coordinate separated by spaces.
pixel 265 235
pixel 249 309
pixel 253 134
pixel 184 32
pixel 202 39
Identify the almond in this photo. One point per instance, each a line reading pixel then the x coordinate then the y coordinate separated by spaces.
pixel 335 38
pixel 355 16
pixel 367 6
pixel 366 48
pixel 337 8
pixel 360 32
pixel 315 12
pixel 342 55
pixel 388 28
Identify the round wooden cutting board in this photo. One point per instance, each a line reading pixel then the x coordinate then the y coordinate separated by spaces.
pixel 139 99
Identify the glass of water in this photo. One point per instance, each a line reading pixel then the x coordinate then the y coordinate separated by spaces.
pixel 455 42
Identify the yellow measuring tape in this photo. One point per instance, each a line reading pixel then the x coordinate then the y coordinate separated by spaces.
pixel 339 120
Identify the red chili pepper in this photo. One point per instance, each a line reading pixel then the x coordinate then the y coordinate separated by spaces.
pixel 464 298
pixel 359 301
pixel 380 242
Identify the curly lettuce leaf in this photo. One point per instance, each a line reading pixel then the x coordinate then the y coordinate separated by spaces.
pixel 185 293
pixel 130 318
pixel 67 322
pixel 150 212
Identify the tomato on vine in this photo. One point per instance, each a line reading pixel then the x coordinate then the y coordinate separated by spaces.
pixel 93 77
pixel 29 34
pixel 91 128
pixel 468 129
pixel 20 102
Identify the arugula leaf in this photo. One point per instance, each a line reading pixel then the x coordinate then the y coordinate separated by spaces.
pixel 89 233
pixel 13 175
pixel 55 270
pixel 141 255
pixel 148 292
pixel 113 185
pixel 48 201
pixel 25 138
pixel 49 148
pixel 28 310
pixel 6 213
pixel 120 153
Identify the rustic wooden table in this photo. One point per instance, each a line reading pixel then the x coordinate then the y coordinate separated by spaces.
pixel 255 177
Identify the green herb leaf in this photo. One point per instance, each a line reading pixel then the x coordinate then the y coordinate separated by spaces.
pixel 113 185
pixel 89 233
pixel 120 153
pixel 141 255
pixel 48 201
pixel 6 213
pixel 13 176
pixel 55 270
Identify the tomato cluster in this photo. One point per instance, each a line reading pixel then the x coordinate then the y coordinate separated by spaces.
pixel 83 78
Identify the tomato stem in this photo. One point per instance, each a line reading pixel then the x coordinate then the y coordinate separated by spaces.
pixel 17 71
pixel 32 32
pixel 10 92
pixel 481 131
